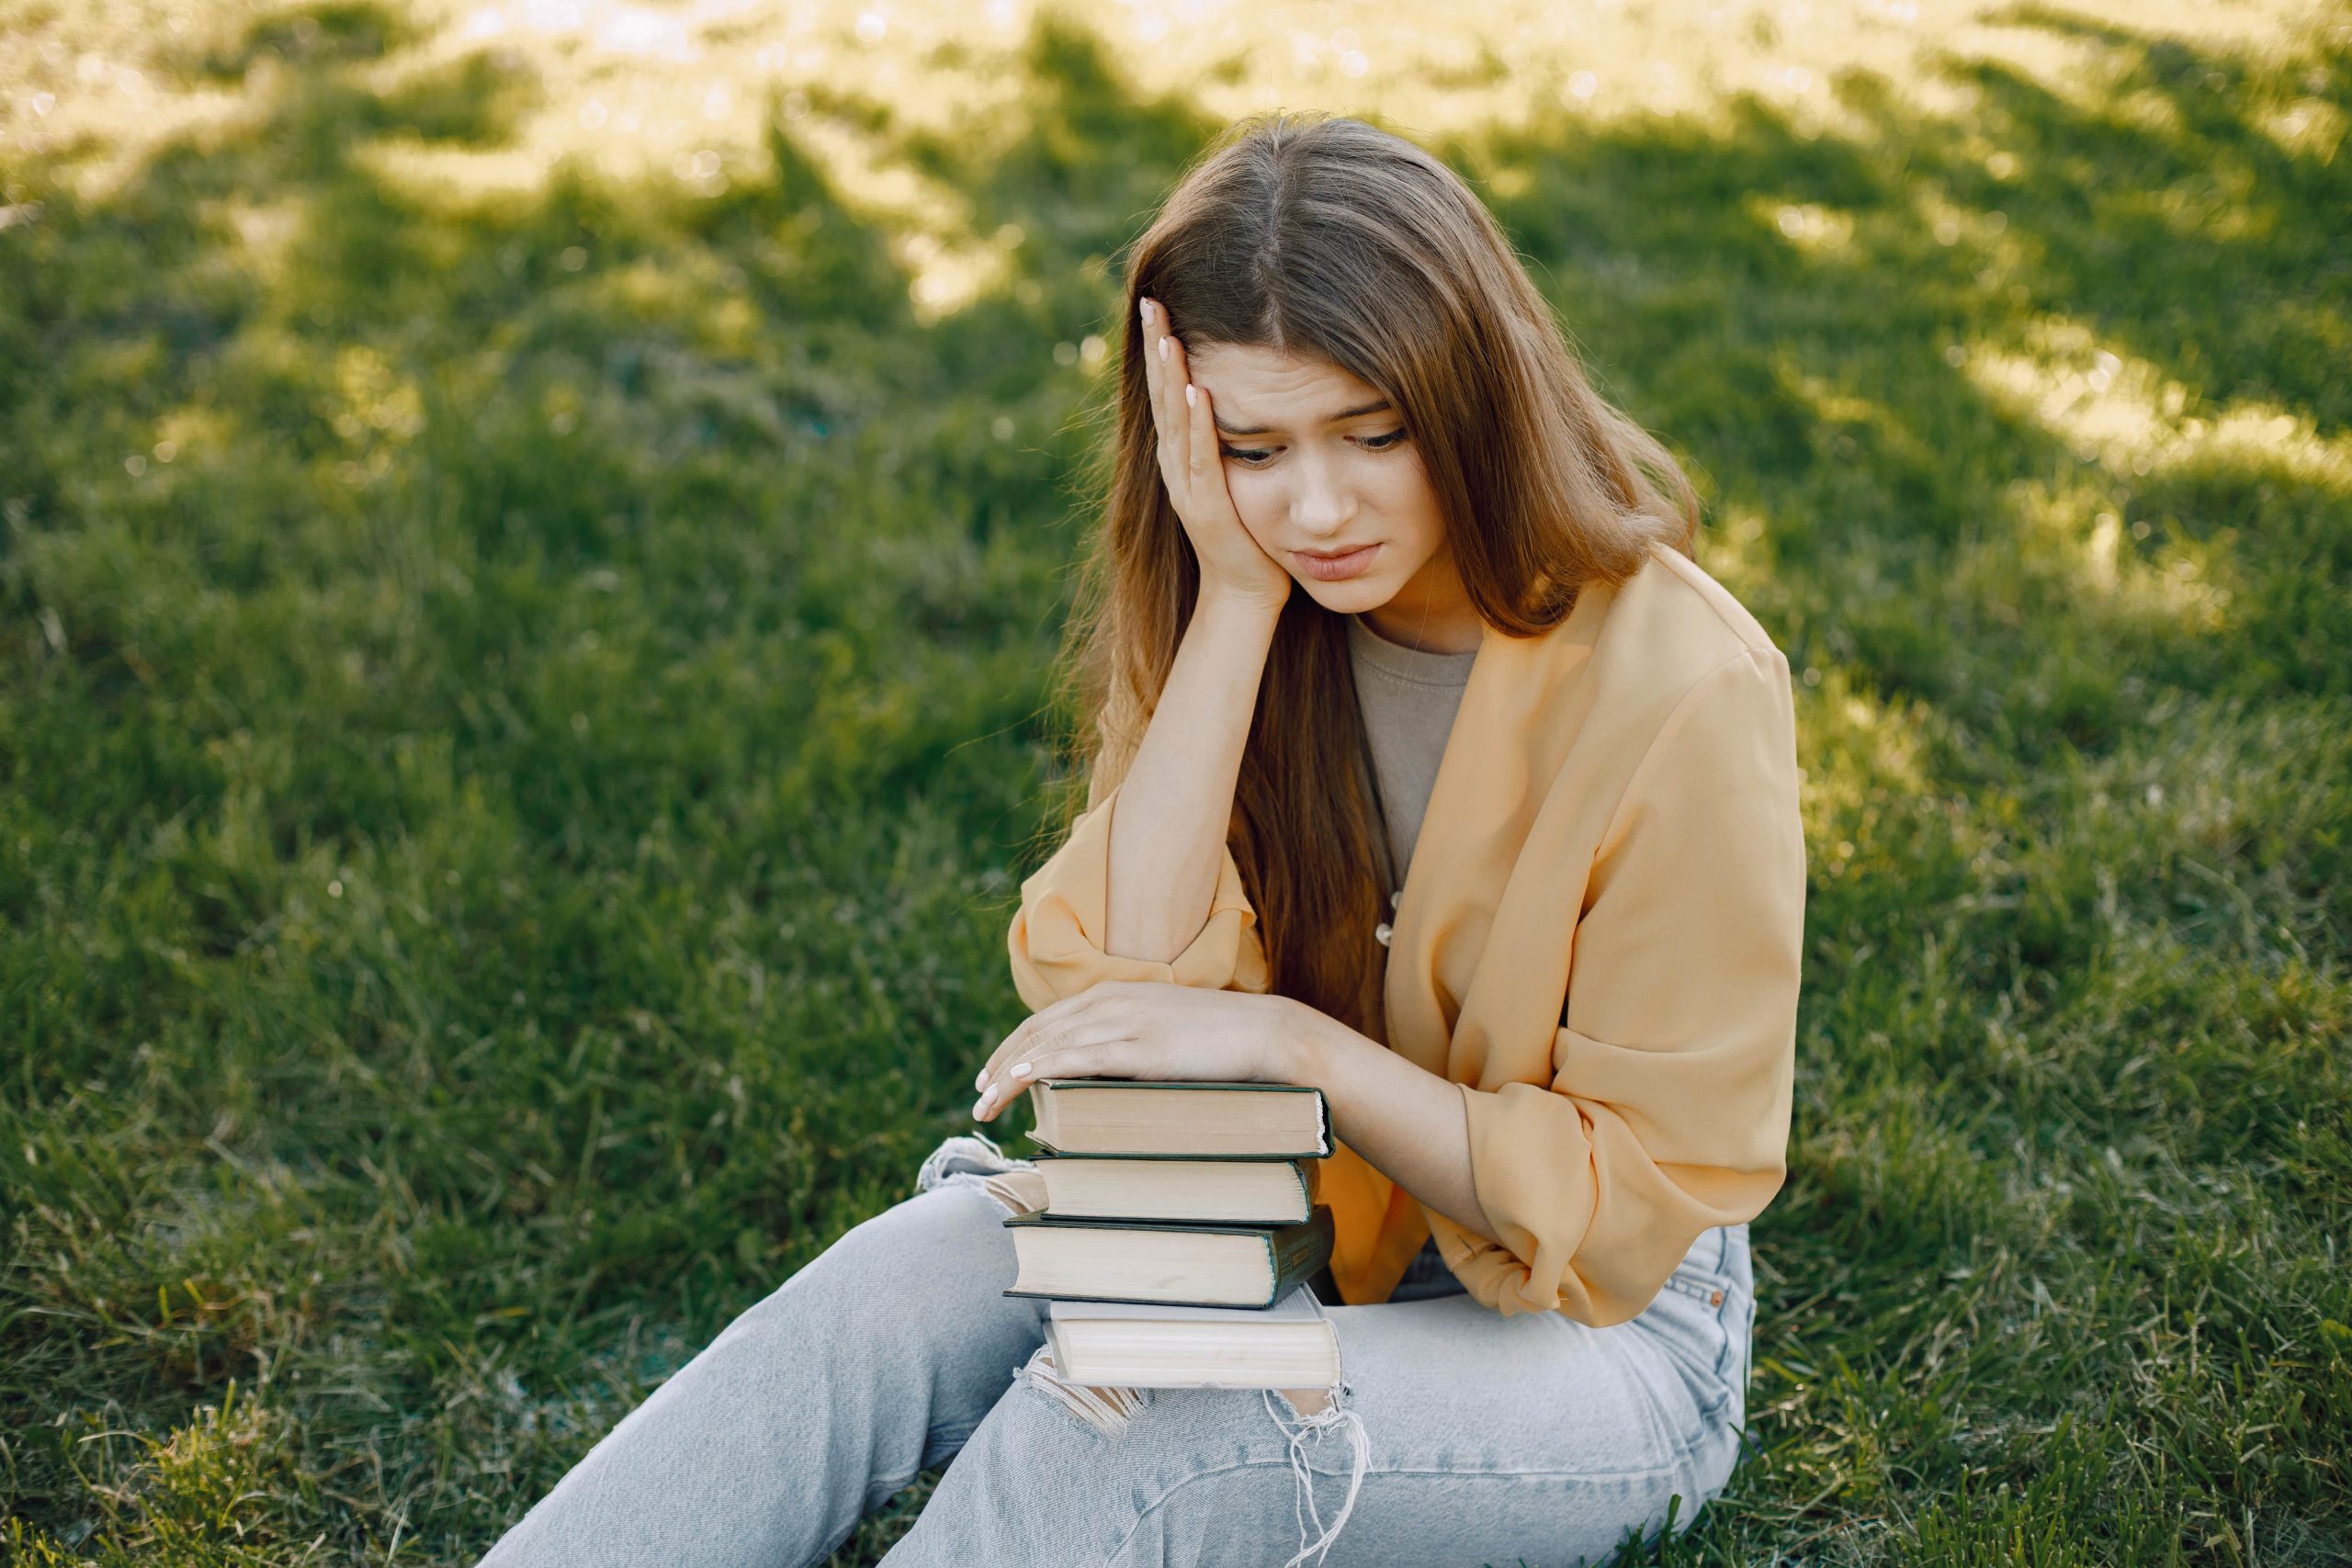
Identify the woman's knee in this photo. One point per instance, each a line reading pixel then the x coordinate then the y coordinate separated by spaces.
pixel 940 1259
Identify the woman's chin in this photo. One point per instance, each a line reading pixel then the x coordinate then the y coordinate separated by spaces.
pixel 1352 596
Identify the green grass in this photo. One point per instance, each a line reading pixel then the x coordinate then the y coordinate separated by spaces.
pixel 521 715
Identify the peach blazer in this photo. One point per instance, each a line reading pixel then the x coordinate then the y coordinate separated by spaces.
pixel 1597 943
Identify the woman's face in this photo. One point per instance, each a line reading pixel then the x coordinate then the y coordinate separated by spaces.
pixel 1318 461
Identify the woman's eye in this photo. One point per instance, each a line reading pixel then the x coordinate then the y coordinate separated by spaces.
pixel 1370 444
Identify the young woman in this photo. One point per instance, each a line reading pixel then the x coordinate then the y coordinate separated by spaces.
pixel 1381 585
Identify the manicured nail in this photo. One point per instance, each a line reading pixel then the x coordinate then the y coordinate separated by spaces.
pixel 1189 400
pixel 980 1109
pixel 980 1080
pixel 1020 1070
pixel 1163 348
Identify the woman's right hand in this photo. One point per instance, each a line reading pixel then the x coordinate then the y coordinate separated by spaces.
pixel 1232 564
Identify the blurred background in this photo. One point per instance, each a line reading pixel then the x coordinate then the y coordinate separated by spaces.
pixel 532 534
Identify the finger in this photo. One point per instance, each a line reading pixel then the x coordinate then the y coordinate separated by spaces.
pixel 1158 353
pixel 1023 1068
pixel 1018 1079
pixel 1109 1055
pixel 1202 455
pixel 1072 1018
pixel 1150 348
pixel 1013 1048
pixel 1041 1024
pixel 1188 405
pixel 1175 374
pixel 1100 1056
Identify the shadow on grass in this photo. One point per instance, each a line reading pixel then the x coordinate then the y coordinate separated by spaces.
pixel 525 713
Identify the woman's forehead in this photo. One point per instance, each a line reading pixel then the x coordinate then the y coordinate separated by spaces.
pixel 1255 389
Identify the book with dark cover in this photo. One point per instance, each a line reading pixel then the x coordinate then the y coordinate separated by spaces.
pixel 1161 1132
pixel 1292 1255
pixel 1216 1189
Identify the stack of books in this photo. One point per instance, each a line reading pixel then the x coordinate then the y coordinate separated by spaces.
pixel 1179 1234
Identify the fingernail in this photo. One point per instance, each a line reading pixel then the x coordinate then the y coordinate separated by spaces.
pixel 980 1108
pixel 1163 348
pixel 1020 1070
pixel 980 1080
pixel 1189 400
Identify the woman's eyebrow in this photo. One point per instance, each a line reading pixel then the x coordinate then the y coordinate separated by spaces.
pixel 1344 413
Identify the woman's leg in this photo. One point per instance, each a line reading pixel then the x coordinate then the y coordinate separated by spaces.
pixel 1491 1440
pixel 811 1409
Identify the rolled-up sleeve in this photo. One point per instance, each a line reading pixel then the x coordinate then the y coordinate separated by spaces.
pixel 1674 1066
pixel 1055 940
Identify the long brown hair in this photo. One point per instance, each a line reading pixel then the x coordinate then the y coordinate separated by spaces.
pixel 1330 239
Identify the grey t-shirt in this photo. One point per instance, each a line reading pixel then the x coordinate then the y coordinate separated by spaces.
pixel 1409 699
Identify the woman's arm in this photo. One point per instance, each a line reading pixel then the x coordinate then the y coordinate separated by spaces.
pixel 1407 1123
pixel 1664 1109
pixel 1176 801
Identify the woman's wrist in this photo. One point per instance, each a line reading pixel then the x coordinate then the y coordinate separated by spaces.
pixel 1312 1040
pixel 1235 610
pixel 1404 1121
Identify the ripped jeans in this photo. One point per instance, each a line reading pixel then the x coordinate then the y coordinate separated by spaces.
pixel 1457 1437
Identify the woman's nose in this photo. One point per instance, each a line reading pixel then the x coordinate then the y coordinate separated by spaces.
pixel 1320 501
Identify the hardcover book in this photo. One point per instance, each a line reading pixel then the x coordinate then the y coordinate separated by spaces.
pixel 1250 1192
pixel 1173 1119
pixel 1291 1345
pixel 1165 1262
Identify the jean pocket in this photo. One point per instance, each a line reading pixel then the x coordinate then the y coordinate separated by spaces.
pixel 1711 1286
pixel 1696 1318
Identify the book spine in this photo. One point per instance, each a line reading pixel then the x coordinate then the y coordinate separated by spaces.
pixel 1301 1249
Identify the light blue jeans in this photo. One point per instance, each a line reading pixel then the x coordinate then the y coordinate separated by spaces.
pixel 1459 1435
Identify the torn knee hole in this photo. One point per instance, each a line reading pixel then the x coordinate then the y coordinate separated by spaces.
pixel 1307 1401
pixel 1107 1410
pixel 1022 1191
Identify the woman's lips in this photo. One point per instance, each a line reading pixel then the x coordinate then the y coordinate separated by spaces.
pixel 1336 567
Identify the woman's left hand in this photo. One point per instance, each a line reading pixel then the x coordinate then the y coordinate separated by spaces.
pixel 1145 1028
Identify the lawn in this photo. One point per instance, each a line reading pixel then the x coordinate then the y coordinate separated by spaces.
pixel 532 538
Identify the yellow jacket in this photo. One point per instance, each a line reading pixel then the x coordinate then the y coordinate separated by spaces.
pixel 1599 943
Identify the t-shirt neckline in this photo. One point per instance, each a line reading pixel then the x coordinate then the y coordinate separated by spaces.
pixel 1417 665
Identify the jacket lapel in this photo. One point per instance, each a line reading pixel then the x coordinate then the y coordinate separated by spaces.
pixel 1519 713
